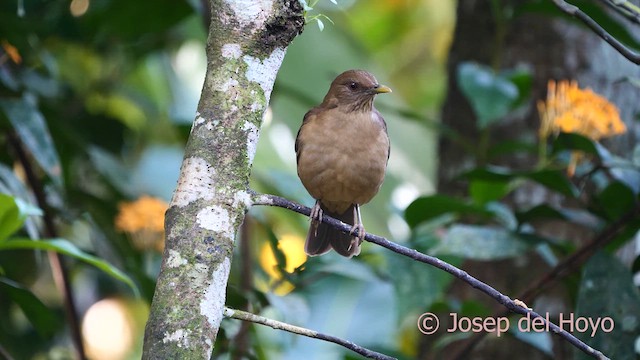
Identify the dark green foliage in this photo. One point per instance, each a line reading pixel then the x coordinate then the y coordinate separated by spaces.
pixel 607 290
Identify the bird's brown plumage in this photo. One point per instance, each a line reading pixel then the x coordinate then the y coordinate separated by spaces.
pixel 342 150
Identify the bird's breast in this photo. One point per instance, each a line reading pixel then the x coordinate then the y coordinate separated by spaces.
pixel 343 158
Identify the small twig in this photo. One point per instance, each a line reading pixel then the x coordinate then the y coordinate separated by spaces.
pixel 246 316
pixel 625 8
pixel 56 261
pixel 4 354
pixel 272 200
pixel 575 11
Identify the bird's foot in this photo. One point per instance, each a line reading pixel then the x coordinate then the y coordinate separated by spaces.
pixel 357 230
pixel 358 233
pixel 316 212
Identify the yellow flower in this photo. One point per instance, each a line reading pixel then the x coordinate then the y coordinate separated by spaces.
pixel 143 220
pixel 293 249
pixel 573 110
pixel 11 51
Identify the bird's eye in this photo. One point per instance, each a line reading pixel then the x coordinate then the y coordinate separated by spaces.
pixel 353 85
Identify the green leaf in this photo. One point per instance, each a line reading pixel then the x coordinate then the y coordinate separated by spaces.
pixel 40 84
pixel 491 96
pixel 27 209
pixel 429 207
pixel 539 340
pixel 539 212
pixel 65 247
pixel 359 302
pixel 607 290
pixel 281 258
pixel 10 184
pixel 348 269
pixel 616 200
pixel 132 19
pixel 471 308
pixel 554 180
pixel 490 173
pixel 32 129
pixel 10 219
pixel 119 106
pixel 620 168
pixel 509 147
pixel 544 250
pixel 42 318
pixel 571 141
pixel 418 287
pixel 480 243
pixel 522 78
pixel 503 215
pixel 483 191
pixel 305 5
pixel 112 169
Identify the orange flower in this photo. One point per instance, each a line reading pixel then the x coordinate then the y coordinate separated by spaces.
pixel 143 220
pixel 12 52
pixel 571 109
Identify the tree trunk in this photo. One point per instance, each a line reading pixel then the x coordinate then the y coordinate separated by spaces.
pixel 246 44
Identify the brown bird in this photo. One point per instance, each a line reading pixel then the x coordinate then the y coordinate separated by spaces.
pixel 342 149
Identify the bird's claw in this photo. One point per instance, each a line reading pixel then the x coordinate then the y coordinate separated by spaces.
pixel 316 212
pixel 358 233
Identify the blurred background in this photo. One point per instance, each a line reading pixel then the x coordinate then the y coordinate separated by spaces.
pixel 97 99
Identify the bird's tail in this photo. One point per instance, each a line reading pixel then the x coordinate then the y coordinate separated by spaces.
pixel 322 237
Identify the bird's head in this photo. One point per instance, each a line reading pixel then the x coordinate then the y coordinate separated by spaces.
pixel 355 90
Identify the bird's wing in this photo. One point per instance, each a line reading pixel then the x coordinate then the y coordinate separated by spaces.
pixel 308 117
pixel 384 126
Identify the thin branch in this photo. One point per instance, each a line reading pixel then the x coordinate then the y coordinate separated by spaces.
pixel 246 316
pixel 272 200
pixel 625 8
pixel 4 354
pixel 560 271
pixel 56 261
pixel 575 11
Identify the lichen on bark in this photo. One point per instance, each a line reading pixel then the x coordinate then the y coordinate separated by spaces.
pixel 246 44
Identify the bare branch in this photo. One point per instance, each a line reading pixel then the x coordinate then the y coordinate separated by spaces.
pixel 599 30
pixel 272 200
pixel 247 316
pixel 5 353
pixel 56 261
pixel 624 8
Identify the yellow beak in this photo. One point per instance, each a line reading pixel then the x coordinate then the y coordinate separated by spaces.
pixel 381 89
